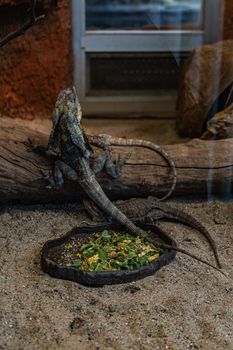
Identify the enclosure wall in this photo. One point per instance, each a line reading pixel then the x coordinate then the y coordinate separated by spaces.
pixel 34 67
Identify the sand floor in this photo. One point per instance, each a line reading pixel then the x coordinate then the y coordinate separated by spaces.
pixel 185 305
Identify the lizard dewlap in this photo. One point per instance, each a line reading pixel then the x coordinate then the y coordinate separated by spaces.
pixel 111 251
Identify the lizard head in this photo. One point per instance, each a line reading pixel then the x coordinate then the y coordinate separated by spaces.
pixel 68 104
pixel 67 107
pixel 72 104
pixel 66 119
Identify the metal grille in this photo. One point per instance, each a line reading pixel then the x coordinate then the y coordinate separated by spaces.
pixel 133 72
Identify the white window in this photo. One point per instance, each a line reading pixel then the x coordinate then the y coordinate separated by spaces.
pixel 128 53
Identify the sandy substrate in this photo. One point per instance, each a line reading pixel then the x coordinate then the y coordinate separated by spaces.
pixel 185 305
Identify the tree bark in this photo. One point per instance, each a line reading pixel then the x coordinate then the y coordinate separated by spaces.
pixel 203 167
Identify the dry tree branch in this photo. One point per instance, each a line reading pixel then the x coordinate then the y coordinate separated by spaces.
pixel 33 19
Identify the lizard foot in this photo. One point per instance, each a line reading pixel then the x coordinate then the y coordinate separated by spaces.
pixel 114 170
pixel 31 145
pixel 34 146
pixel 49 179
pixel 93 211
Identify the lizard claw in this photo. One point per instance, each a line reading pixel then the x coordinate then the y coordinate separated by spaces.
pixel 123 160
pixel 120 163
pixel 30 144
pixel 151 220
pixel 34 146
pixel 49 179
pixel 128 155
pixel 43 176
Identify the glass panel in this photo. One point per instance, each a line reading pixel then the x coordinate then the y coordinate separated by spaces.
pixel 132 73
pixel 143 14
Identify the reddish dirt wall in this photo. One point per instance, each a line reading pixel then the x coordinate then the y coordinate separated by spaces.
pixel 34 67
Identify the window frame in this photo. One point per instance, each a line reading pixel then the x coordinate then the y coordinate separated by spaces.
pixel 107 41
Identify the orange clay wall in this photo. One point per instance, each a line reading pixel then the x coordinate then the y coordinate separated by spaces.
pixel 34 67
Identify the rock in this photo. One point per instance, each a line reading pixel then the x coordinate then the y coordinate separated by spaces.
pixel 220 126
pixel 206 74
pixel 132 288
pixel 76 323
pixel 220 220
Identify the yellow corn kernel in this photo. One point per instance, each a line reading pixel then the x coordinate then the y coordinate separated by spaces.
pixel 112 255
pixel 85 267
pixel 93 258
pixel 151 258
pixel 68 245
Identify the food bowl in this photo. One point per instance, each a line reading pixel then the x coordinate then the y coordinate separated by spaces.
pixel 53 250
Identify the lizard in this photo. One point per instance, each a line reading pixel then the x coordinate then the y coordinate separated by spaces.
pixel 103 141
pixel 155 211
pixel 107 140
pixel 72 151
pixel 158 209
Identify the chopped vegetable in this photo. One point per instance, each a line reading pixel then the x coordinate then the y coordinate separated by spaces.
pixel 112 251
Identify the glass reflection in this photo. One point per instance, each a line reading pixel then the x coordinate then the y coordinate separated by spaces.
pixel 143 14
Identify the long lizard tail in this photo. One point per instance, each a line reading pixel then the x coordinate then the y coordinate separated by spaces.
pixel 173 214
pixel 104 203
pixel 97 195
pixel 115 141
pixel 95 192
pixel 181 250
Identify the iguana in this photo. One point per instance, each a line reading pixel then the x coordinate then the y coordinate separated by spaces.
pixel 72 151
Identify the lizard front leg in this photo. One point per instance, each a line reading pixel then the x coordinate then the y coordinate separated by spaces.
pixel 93 211
pixel 33 146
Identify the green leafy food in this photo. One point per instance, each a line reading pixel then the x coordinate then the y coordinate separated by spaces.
pixel 112 251
pixel 76 263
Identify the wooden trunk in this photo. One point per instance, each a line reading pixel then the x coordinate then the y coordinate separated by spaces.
pixel 202 167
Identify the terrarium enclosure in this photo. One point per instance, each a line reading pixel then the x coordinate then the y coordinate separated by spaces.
pixel 156 75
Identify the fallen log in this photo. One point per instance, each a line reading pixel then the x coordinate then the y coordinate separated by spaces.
pixel 203 167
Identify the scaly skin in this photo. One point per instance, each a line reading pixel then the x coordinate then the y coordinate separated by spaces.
pixel 73 152
pixel 104 140
pixel 68 142
pixel 160 211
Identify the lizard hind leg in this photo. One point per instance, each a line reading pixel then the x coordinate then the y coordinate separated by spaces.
pixel 60 172
pixel 55 179
pixel 93 211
